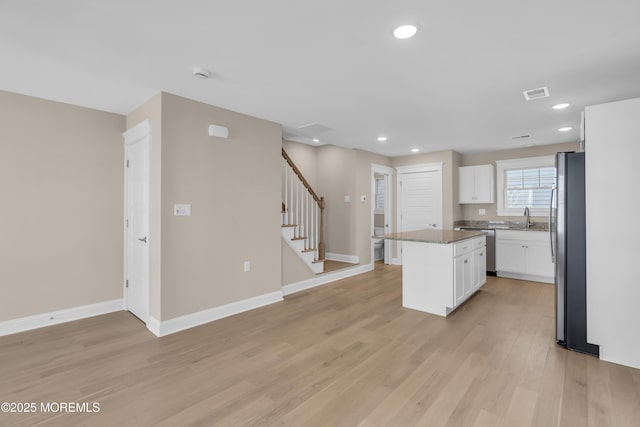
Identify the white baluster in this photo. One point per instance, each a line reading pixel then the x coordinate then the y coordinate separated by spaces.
pixel 310 201
pixel 317 231
pixel 306 225
pixel 299 206
pixel 286 203
pixel 292 212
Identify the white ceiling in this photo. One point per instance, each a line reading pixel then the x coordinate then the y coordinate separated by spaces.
pixel 456 85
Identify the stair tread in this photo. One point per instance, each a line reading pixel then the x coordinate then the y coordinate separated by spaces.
pixel 289 225
pixel 299 238
pixel 309 250
pixel 317 261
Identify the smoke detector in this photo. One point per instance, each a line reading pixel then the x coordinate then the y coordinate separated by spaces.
pixel 541 92
pixel 201 73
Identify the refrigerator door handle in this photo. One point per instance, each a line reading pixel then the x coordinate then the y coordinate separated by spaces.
pixel 553 257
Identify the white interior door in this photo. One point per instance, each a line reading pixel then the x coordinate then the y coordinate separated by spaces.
pixel 137 146
pixel 421 200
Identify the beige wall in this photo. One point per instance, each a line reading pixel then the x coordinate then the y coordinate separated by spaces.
pixel 61 180
pixel 305 158
pixel 152 111
pixel 470 212
pixel 362 212
pixel 456 208
pixel 294 269
pixel 336 179
pixel 234 188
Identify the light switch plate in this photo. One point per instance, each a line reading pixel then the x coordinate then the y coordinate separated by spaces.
pixel 347 199
pixel 247 266
pixel 182 210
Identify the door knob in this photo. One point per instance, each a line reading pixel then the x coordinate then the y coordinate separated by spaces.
pixel 143 239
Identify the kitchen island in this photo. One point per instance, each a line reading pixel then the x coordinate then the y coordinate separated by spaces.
pixel 440 268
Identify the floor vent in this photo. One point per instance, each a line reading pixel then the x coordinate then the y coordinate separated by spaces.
pixel 541 92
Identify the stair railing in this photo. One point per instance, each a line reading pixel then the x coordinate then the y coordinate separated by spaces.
pixel 302 206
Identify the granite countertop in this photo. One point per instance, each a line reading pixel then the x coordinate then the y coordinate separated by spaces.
pixel 502 225
pixel 433 236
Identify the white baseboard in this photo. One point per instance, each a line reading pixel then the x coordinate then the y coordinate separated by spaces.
pixel 396 261
pixel 353 259
pixel 153 325
pixel 325 278
pixel 181 323
pixel 60 316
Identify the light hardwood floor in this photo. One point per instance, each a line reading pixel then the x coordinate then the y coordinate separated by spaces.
pixel 331 266
pixel 345 354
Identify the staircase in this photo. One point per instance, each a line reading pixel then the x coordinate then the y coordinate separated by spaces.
pixel 302 216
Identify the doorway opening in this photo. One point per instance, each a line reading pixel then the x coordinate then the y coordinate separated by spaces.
pixel 381 199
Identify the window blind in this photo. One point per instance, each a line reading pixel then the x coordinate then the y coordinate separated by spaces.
pixel 529 187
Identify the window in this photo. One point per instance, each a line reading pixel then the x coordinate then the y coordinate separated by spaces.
pixel 379 195
pixel 525 183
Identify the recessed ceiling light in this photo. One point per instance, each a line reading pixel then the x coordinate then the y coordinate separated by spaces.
pixel 316 140
pixel 382 138
pixel 565 129
pixel 415 150
pixel 405 31
pixel 561 106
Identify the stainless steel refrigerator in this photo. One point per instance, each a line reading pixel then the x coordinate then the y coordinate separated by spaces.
pixel 567 232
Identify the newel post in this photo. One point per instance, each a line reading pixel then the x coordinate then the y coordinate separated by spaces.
pixel 321 246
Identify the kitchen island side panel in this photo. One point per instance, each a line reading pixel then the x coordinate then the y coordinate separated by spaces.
pixel 427 277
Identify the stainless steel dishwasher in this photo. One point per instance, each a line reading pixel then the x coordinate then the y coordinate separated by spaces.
pixel 491 248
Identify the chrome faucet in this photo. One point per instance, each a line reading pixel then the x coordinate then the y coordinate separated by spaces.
pixel 526 215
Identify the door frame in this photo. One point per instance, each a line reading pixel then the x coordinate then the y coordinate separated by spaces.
pixel 405 170
pixel 140 133
pixel 388 173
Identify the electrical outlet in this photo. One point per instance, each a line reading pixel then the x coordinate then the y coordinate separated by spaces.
pixel 247 266
pixel 482 212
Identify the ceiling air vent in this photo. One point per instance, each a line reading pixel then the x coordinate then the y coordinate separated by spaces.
pixel 541 92
pixel 521 137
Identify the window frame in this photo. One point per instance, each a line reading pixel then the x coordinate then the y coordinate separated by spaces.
pixel 525 163
pixel 377 209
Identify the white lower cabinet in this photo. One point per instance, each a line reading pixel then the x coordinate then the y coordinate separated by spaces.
pixel 524 255
pixel 479 267
pixel 463 277
pixel 438 277
pixel 470 268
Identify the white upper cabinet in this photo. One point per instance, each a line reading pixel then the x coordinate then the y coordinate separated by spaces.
pixel 475 184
